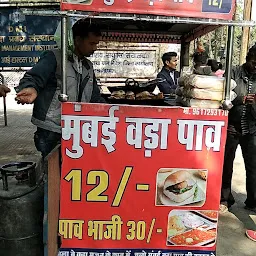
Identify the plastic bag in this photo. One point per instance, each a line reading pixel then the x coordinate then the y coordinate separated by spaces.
pixel 212 83
pixel 195 103
pixel 209 94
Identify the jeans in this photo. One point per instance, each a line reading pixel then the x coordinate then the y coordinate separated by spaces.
pixel 46 141
pixel 248 146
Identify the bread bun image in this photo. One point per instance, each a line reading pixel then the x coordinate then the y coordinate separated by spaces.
pixel 203 174
pixel 179 186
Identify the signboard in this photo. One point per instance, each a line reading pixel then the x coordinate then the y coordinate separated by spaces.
pixel 210 9
pixel 116 63
pixel 140 181
pixel 24 38
pixel 28 3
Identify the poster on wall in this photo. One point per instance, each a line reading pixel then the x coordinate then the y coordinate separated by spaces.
pixel 209 9
pixel 140 181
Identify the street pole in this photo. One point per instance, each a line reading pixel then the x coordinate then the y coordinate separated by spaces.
pixel 227 102
pixel 246 31
pixel 63 97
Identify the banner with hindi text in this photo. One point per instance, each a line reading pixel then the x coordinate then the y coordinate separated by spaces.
pixel 210 9
pixel 140 180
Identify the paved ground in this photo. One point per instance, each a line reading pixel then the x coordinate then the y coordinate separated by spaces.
pixel 16 142
pixel 16 139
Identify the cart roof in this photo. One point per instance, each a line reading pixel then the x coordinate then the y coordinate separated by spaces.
pixel 171 20
pixel 152 28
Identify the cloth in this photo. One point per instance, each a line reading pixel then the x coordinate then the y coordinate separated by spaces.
pixel 219 73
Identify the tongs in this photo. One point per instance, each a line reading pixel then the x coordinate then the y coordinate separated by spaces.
pixel 130 82
pixel 152 82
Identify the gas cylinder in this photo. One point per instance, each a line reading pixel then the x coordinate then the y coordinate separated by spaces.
pixel 21 210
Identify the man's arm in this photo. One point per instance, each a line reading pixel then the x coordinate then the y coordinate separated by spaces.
pixel 239 100
pixel 164 87
pixel 36 78
pixel 96 97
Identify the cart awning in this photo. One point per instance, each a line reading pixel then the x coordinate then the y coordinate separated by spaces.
pixel 211 9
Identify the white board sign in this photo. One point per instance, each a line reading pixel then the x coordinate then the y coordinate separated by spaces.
pixel 123 63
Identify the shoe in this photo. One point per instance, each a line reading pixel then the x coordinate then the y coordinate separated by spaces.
pixel 251 234
pixel 252 209
pixel 223 208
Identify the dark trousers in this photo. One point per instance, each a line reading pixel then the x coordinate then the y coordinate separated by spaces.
pixel 248 146
pixel 46 141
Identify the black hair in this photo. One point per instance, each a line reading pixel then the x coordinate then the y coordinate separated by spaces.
pixel 167 56
pixel 251 53
pixel 83 27
pixel 213 64
pixel 200 58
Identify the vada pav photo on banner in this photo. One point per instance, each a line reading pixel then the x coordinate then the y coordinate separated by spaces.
pixel 181 187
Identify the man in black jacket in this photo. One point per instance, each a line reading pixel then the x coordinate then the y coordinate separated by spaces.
pixel 242 130
pixel 169 73
pixel 42 84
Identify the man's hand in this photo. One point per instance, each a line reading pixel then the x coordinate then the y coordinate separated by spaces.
pixel 250 99
pixel 3 90
pixel 26 96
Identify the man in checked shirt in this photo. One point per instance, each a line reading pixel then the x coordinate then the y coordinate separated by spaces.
pixel 242 130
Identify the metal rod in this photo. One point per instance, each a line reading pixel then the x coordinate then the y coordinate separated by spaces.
pixel 134 17
pixel 230 43
pixel 5 112
pixel 5 180
pixel 4 101
pixel 64 39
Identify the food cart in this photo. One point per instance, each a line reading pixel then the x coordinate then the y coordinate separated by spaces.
pixel 140 180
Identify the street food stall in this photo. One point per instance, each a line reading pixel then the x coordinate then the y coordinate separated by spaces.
pixel 142 180
pixel 136 179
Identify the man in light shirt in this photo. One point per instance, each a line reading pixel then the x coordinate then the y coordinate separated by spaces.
pixel 169 73
pixel 41 85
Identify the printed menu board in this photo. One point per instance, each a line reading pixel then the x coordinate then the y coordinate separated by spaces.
pixel 140 180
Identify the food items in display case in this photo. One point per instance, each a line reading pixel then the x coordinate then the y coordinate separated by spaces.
pixel 144 96
pixel 179 186
pixel 130 95
pixel 118 95
pixel 148 96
